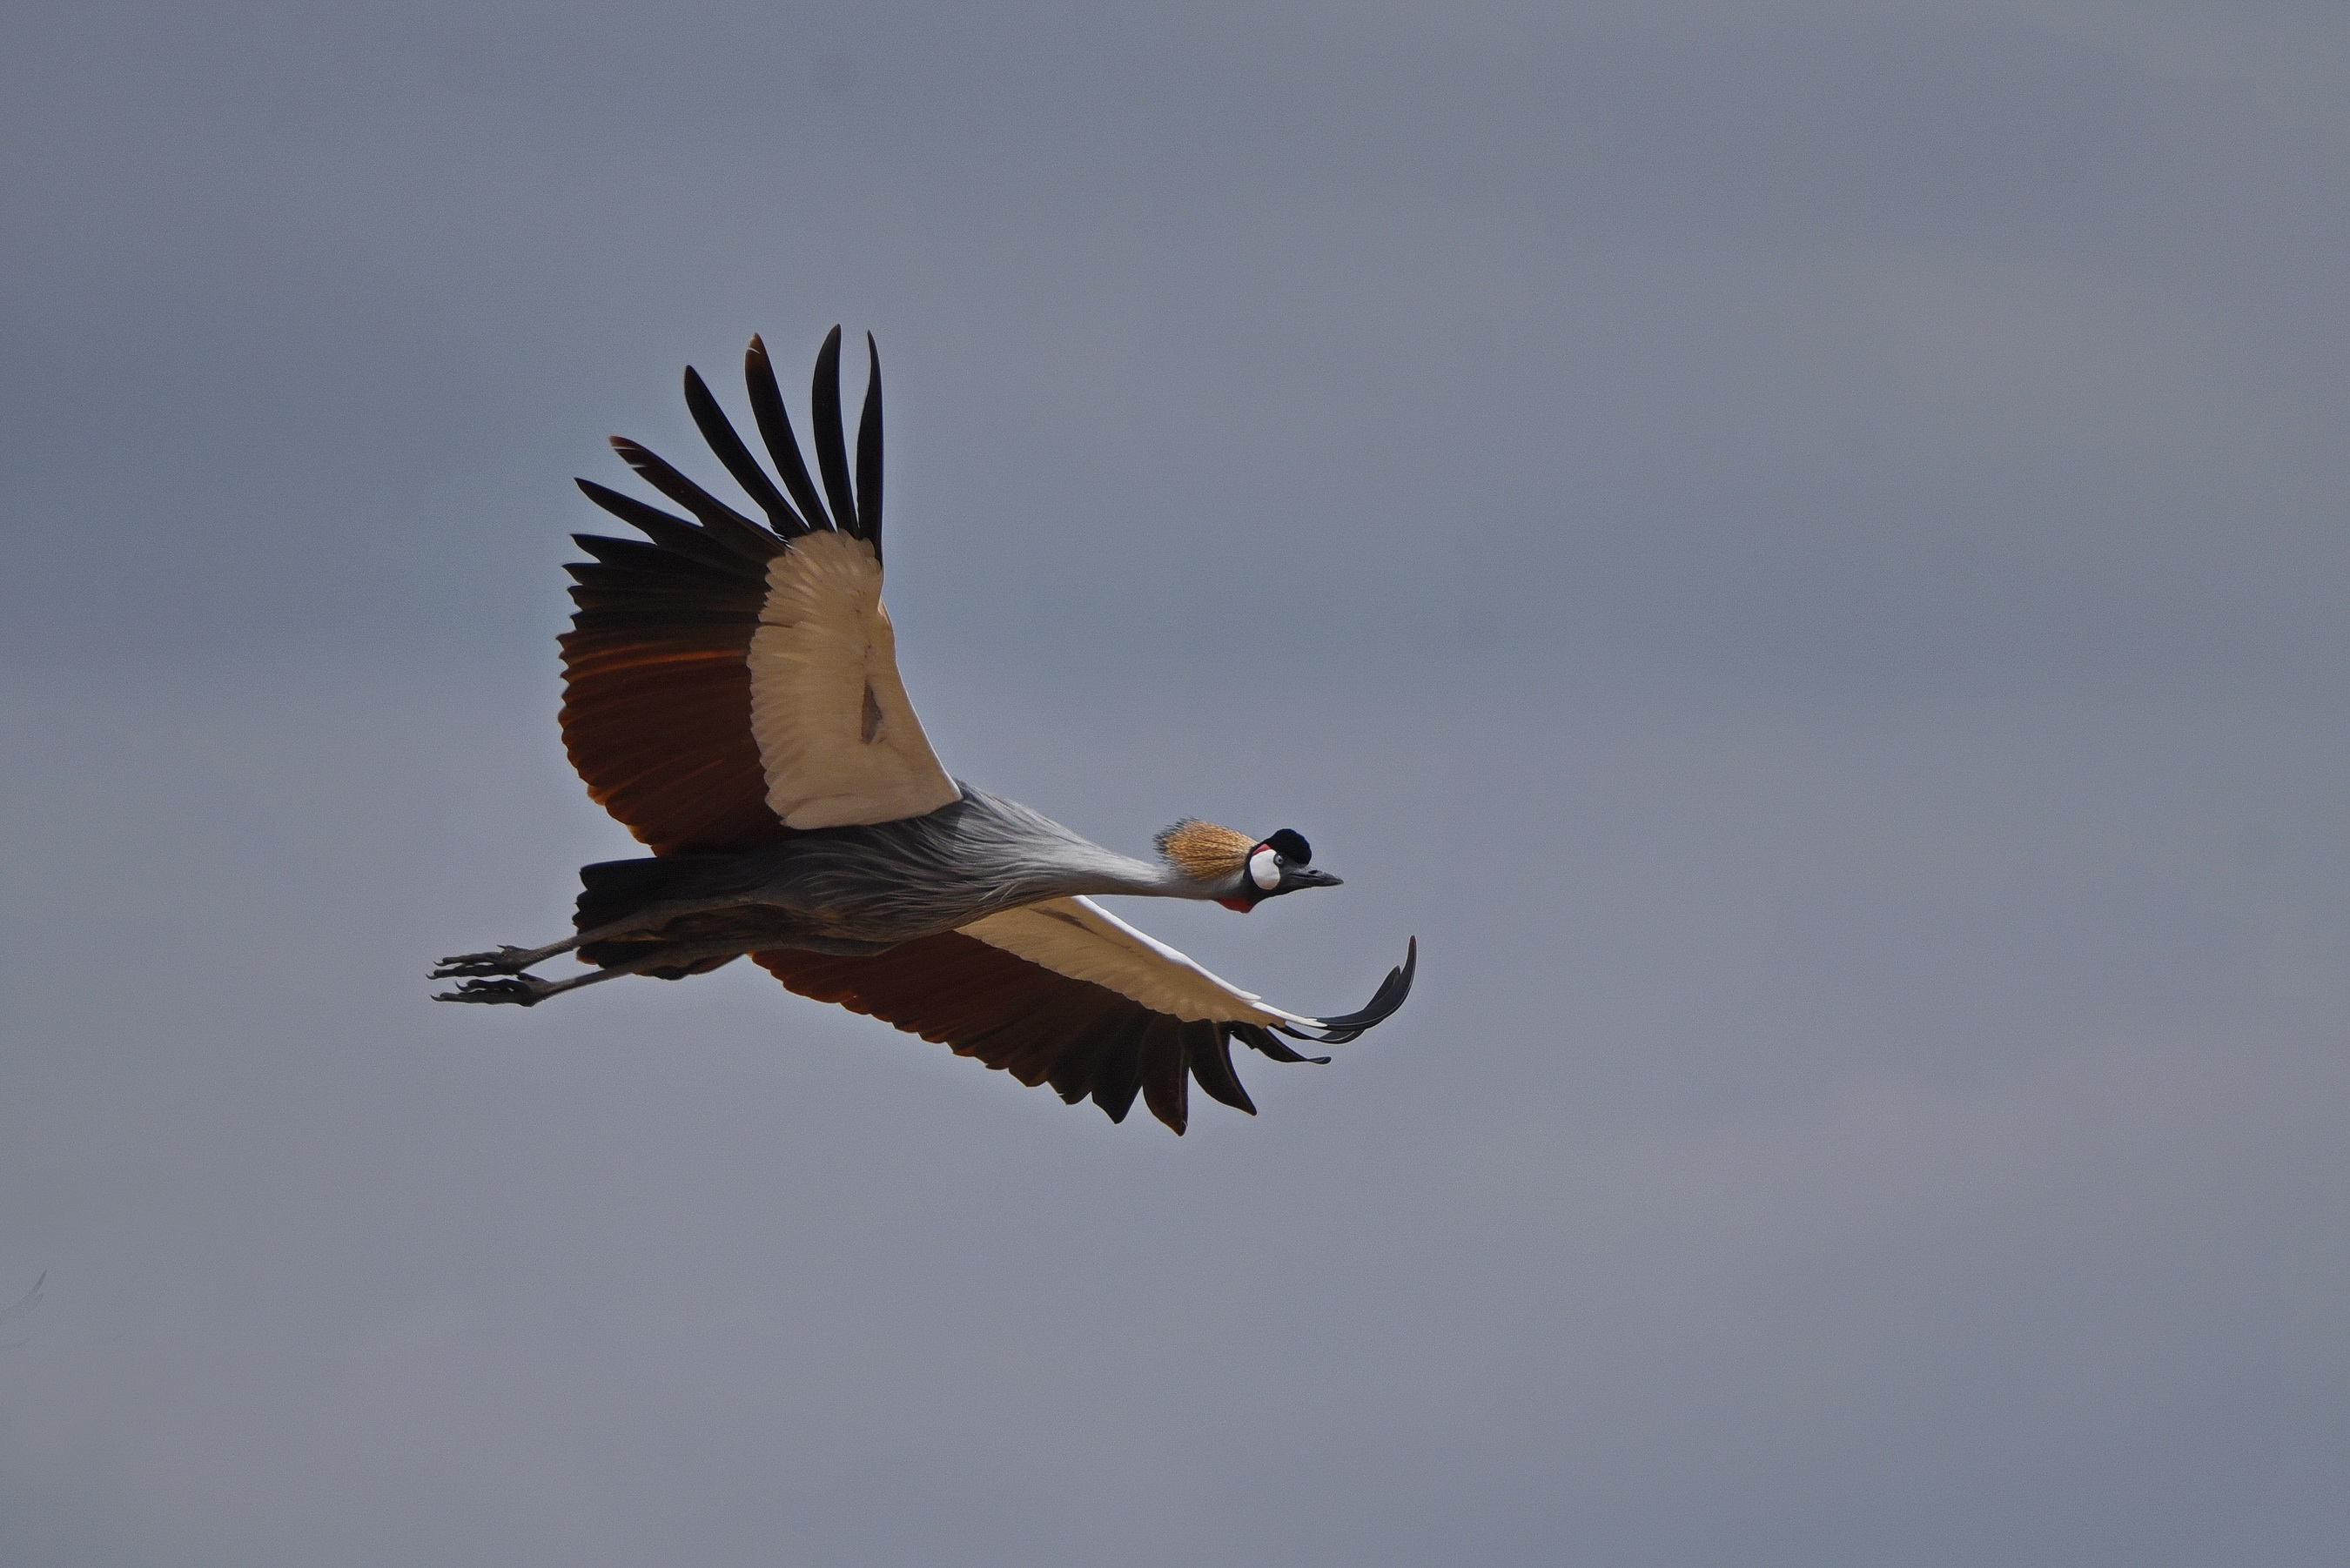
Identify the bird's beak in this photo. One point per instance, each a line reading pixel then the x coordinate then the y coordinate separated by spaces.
pixel 1306 876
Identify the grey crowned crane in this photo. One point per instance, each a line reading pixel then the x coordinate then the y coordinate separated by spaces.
pixel 731 694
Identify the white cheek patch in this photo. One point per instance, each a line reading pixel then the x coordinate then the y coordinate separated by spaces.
pixel 1265 869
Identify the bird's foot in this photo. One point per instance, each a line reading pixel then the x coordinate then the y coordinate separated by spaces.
pixel 504 960
pixel 521 990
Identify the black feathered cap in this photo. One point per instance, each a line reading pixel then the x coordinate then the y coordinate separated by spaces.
pixel 1291 845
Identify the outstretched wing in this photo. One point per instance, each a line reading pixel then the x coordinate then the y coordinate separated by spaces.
pixel 727 682
pixel 1064 993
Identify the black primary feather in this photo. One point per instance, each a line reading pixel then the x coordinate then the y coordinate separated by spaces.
pixel 635 554
pixel 721 521
pixel 775 430
pixel 1257 1037
pixel 668 532
pixel 1384 1001
pixel 868 450
pixel 719 431
pixel 831 444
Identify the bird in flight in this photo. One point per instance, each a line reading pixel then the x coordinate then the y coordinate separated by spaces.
pixel 731 694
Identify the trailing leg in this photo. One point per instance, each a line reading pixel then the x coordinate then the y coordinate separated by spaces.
pixel 529 991
pixel 502 959
pixel 622 899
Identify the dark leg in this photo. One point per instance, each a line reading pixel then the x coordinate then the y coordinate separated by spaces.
pixel 643 925
pixel 500 960
pixel 529 990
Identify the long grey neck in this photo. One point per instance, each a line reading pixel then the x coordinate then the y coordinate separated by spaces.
pixel 1047 860
pixel 1088 868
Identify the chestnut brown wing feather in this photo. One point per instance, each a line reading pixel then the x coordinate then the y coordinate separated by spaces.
pixel 657 689
pixel 1017 1017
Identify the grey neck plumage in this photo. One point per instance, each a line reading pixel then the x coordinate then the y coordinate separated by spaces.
pixel 892 881
pixel 1092 869
pixel 1033 849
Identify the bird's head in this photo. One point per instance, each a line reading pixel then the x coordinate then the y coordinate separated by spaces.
pixel 1243 872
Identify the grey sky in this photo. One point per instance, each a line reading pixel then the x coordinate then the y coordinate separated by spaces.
pixel 1799 548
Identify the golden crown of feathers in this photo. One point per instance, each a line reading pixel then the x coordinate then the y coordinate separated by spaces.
pixel 1203 851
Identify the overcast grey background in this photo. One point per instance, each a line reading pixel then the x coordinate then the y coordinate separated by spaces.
pixel 1799 548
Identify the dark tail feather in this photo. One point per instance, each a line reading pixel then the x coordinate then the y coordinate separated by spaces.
pixel 612 890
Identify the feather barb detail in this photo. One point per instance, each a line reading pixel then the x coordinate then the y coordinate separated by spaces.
pixel 1204 852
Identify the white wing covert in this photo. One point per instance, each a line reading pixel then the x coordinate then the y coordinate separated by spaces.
pixel 838 738
pixel 1078 938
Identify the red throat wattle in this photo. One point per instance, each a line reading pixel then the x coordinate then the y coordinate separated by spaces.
pixel 1238 905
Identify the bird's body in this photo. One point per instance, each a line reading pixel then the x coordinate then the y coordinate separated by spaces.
pixel 872 886
pixel 733 696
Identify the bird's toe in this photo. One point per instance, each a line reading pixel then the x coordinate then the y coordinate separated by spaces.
pixel 519 991
pixel 504 961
